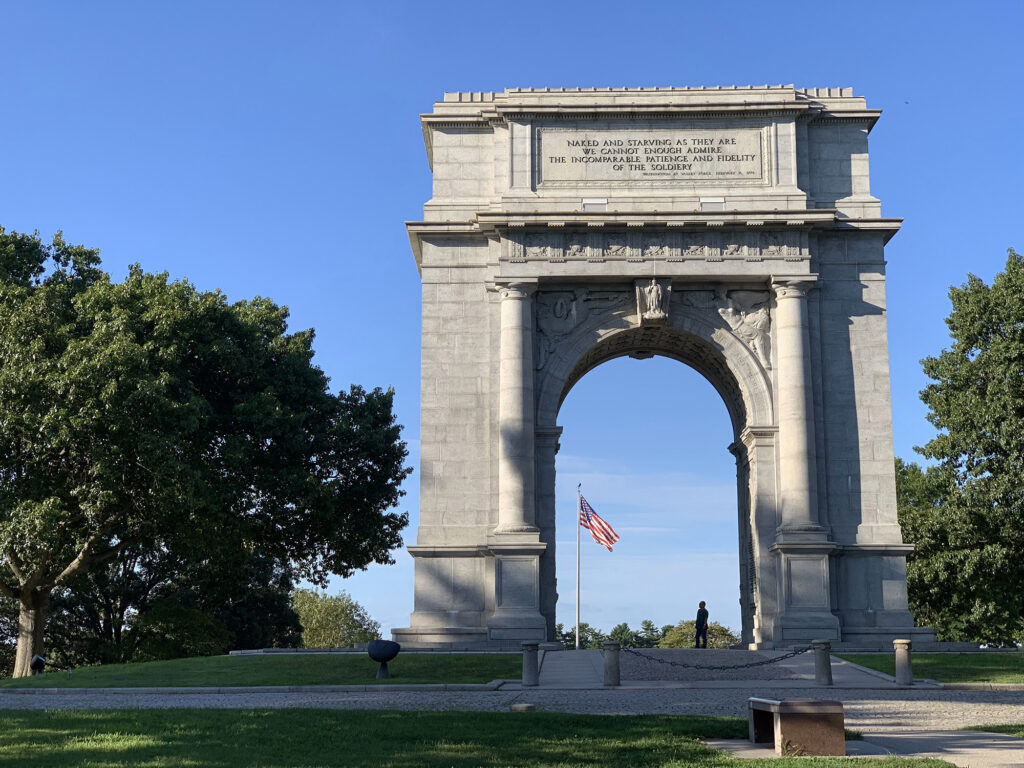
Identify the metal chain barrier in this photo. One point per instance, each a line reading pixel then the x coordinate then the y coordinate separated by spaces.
pixel 684 665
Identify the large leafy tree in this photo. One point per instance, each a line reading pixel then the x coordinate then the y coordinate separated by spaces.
pixel 150 413
pixel 966 515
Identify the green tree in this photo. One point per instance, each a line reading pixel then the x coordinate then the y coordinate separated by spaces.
pixel 97 618
pixel 590 637
pixel 649 635
pixel 90 619
pixel 966 516
pixel 332 621
pixel 935 589
pixel 682 636
pixel 170 630
pixel 624 636
pixel 8 634
pixel 150 413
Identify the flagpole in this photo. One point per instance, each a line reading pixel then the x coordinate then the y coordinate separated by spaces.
pixel 579 509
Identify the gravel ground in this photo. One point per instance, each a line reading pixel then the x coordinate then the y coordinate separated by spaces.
pixel 644 665
pixel 875 711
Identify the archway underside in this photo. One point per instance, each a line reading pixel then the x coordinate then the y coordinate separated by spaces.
pixel 648 341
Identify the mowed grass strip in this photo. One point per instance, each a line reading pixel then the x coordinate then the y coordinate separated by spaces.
pixel 1011 729
pixel 315 737
pixel 283 669
pixel 950 667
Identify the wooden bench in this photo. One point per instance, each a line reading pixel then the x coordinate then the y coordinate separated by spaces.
pixel 798 727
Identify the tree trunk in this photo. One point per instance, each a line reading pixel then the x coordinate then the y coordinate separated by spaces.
pixel 31 625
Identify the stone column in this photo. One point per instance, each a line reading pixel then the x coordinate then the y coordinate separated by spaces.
pixel 796 438
pixel 516 411
pixel 760 491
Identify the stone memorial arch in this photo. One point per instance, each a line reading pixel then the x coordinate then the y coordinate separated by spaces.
pixel 731 229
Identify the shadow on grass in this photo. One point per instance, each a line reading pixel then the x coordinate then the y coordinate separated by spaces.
pixel 310 737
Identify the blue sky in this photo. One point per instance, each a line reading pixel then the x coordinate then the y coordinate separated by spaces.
pixel 275 149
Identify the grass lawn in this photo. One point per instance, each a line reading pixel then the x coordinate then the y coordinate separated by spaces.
pixel 226 738
pixel 291 669
pixel 1011 730
pixel 951 667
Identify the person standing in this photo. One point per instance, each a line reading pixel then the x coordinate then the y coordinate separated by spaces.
pixel 702 627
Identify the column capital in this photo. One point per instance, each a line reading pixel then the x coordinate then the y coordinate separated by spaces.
pixel 548 437
pixel 548 433
pixel 516 289
pixel 755 436
pixel 795 287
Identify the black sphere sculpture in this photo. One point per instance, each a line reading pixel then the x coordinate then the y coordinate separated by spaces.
pixel 383 651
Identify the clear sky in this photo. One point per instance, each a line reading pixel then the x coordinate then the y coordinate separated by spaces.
pixel 274 149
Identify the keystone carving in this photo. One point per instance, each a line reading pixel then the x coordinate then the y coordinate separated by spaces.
pixel 652 301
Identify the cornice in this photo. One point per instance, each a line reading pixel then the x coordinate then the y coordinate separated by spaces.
pixel 482 110
pixel 416 229
pixel 806 219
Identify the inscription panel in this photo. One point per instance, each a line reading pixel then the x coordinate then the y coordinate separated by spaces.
pixel 626 156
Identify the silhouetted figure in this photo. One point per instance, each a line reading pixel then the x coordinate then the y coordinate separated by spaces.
pixel 702 627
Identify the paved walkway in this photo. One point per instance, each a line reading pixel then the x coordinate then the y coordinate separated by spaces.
pixel 918 721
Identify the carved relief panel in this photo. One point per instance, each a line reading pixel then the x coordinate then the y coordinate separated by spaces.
pixel 655 245
pixel 560 312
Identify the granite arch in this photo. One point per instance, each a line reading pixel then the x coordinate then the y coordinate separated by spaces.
pixel 761 266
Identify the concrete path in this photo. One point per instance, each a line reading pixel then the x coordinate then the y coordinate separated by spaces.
pixel 976 749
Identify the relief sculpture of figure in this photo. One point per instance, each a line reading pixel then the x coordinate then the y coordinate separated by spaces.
pixel 751 327
pixel 653 296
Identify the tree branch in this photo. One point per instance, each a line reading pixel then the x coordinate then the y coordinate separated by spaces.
pixel 12 563
pixel 85 557
pixel 36 579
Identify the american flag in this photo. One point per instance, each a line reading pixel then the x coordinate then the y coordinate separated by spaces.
pixel 599 529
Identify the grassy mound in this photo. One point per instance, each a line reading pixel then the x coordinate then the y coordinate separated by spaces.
pixel 284 669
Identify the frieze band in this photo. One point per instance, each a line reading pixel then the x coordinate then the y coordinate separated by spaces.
pixel 664 245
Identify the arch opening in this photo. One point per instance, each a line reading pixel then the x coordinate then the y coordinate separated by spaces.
pixel 676 511
pixel 719 359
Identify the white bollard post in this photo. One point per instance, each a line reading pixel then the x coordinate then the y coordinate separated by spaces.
pixel 904 674
pixel 822 662
pixel 531 675
pixel 611 663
